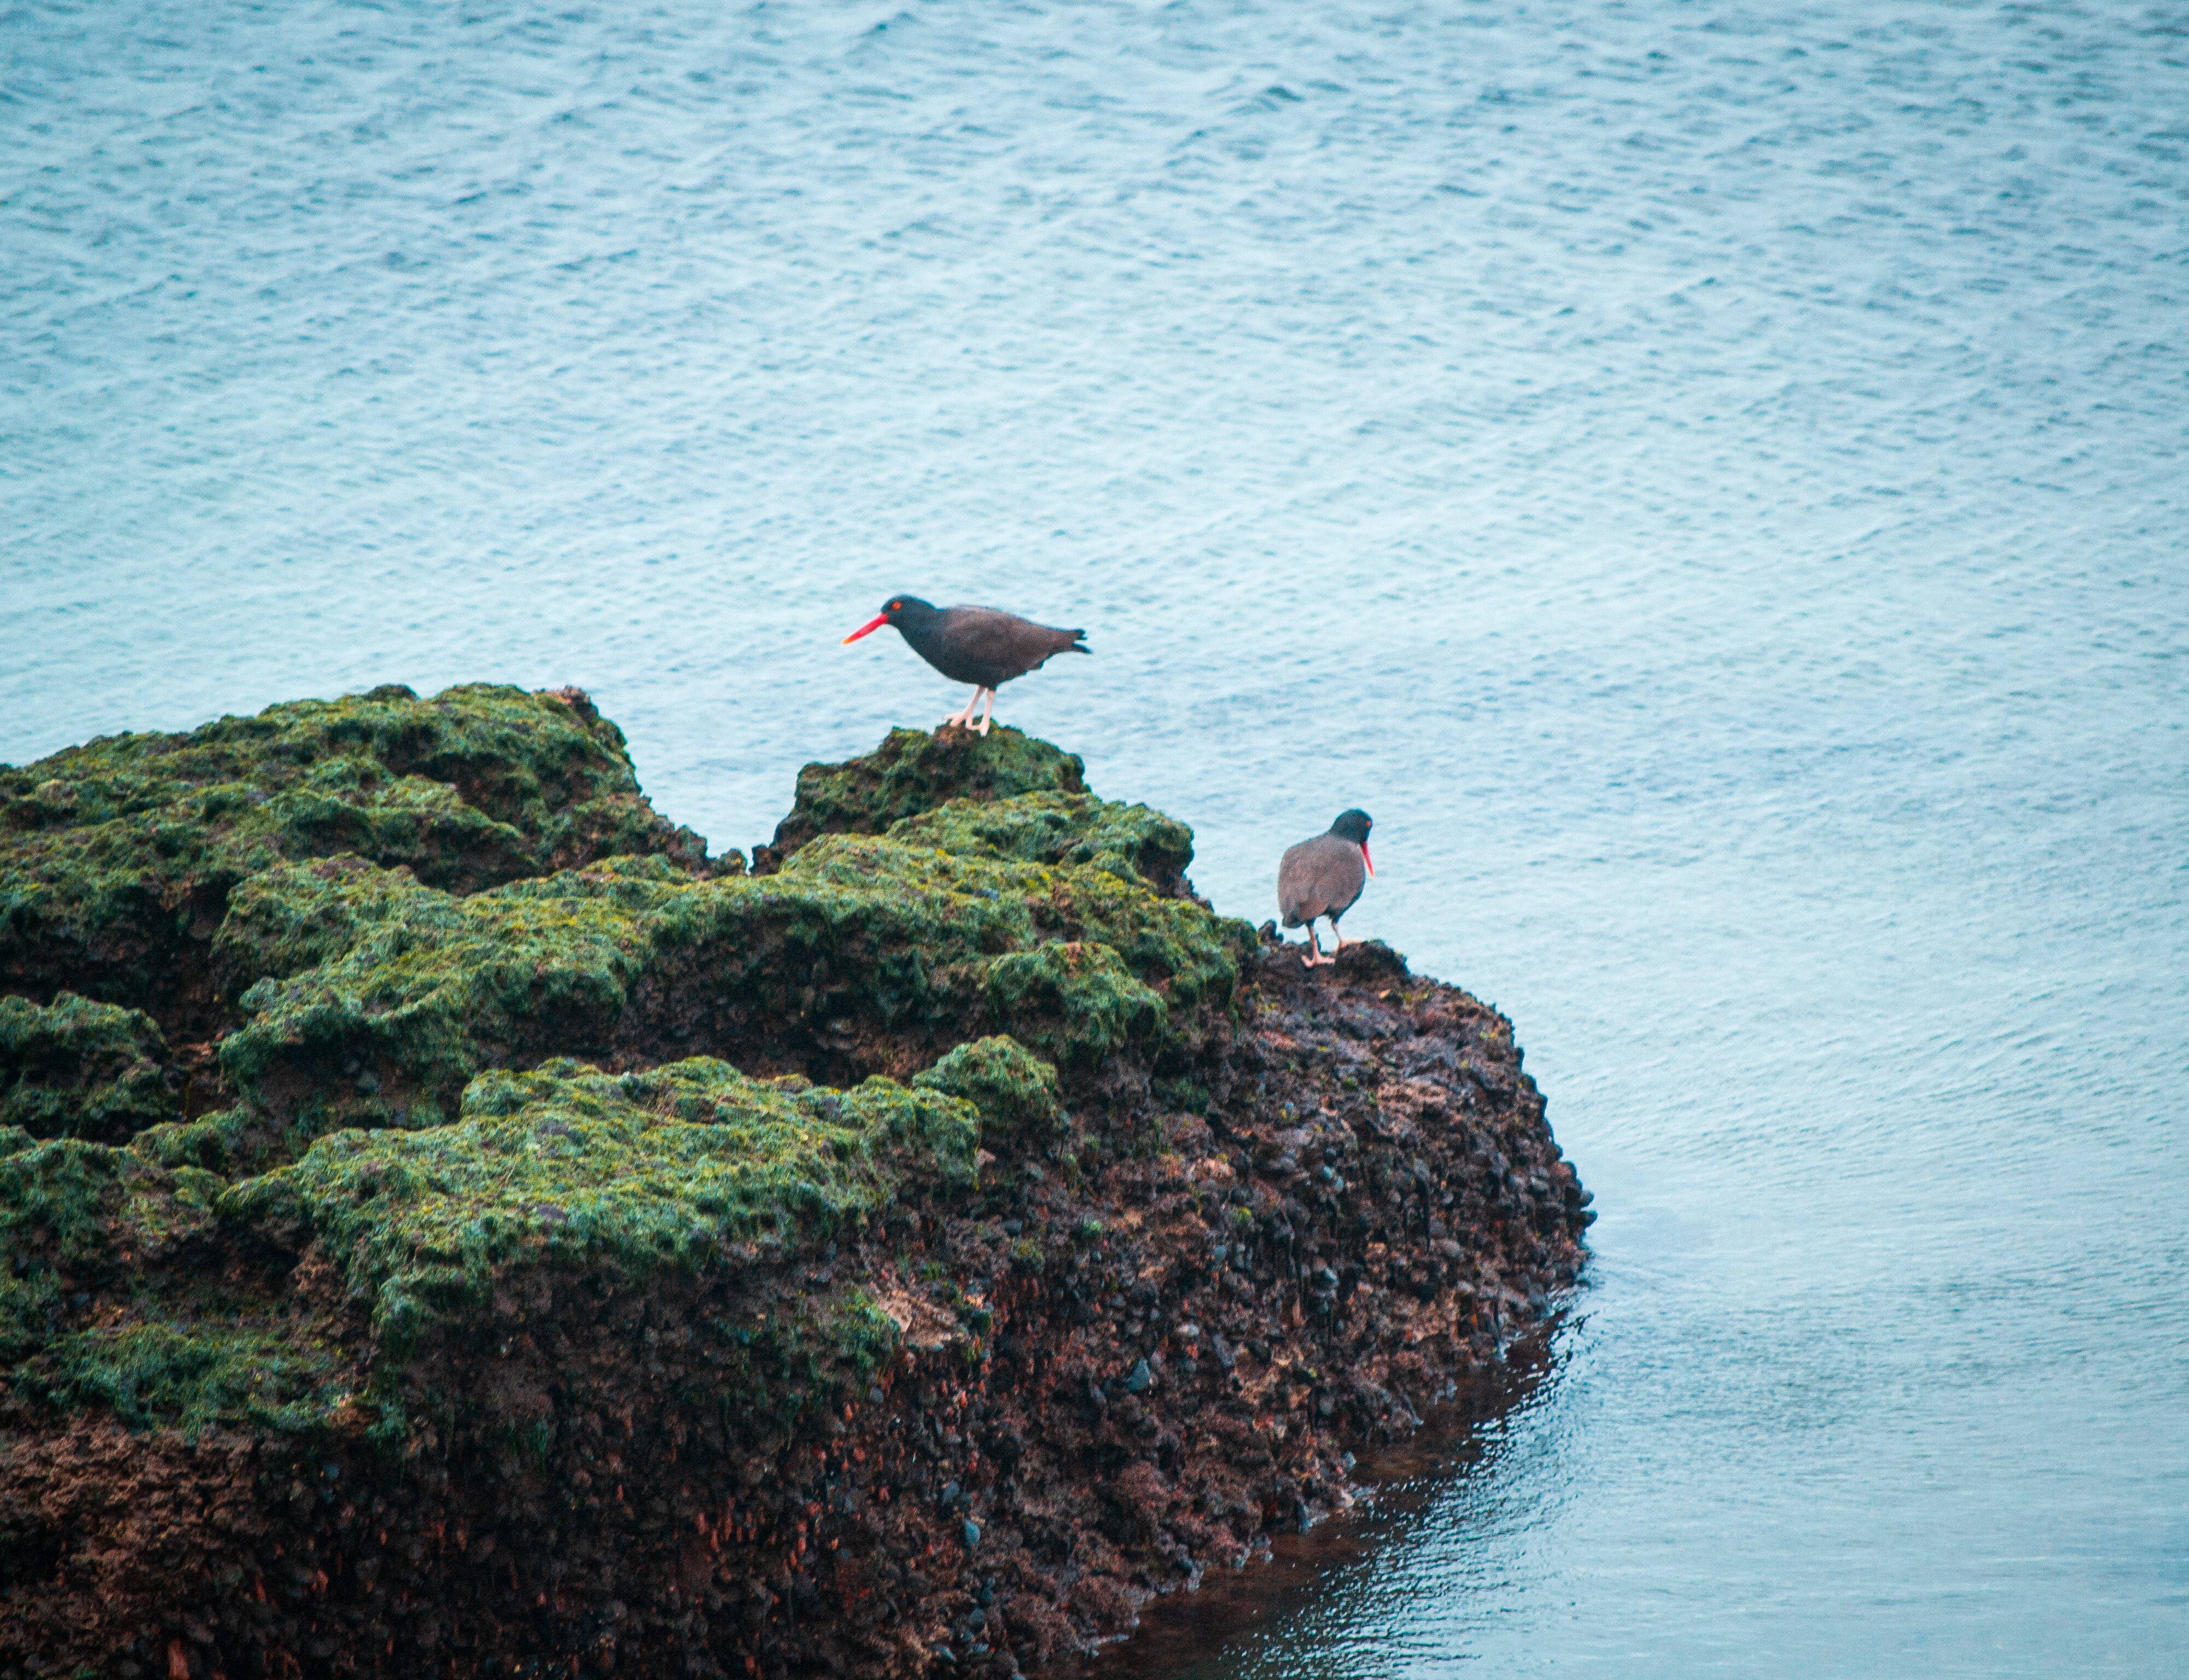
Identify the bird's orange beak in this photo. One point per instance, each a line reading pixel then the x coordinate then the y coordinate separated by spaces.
pixel 1364 857
pixel 866 629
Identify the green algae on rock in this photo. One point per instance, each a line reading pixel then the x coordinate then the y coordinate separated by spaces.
pixel 1075 999
pixel 84 1221
pixel 1130 840
pixel 422 989
pixel 118 856
pixel 913 771
pixel 86 1208
pixel 75 1068
pixel 233 1140
pixel 1014 1090
pixel 153 1374
pixel 393 987
pixel 568 1167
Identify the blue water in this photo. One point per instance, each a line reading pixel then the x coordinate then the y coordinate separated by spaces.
pixel 1709 478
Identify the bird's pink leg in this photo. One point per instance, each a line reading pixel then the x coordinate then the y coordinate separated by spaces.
pixel 963 719
pixel 987 708
pixel 1315 957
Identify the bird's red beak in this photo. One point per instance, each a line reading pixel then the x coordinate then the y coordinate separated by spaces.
pixel 1365 858
pixel 866 629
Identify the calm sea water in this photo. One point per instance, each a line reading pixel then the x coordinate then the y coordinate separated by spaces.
pixel 1708 477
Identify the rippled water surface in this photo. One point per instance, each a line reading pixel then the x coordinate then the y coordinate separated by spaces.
pixel 1708 477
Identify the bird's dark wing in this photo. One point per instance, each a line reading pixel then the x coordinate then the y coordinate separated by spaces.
pixel 1002 645
pixel 1320 877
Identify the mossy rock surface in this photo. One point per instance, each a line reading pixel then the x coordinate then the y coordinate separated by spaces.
pixel 1133 842
pixel 933 946
pixel 116 854
pixel 82 1207
pixel 76 1068
pixel 268 1372
pixel 419 929
pixel 1014 1090
pixel 80 1221
pixel 913 771
pixel 1075 999
pixel 568 1167
pixel 233 1140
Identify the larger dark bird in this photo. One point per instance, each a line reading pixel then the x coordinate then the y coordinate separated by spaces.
pixel 1323 877
pixel 978 645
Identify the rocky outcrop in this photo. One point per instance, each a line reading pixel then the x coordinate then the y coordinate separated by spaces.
pixel 453 1224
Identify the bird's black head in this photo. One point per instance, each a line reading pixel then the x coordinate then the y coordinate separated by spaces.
pixel 904 611
pixel 1353 825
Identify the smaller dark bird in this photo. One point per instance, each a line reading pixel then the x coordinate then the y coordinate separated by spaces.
pixel 978 645
pixel 1323 877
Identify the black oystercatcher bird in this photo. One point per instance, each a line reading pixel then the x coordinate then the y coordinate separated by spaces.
pixel 1323 877
pixel 978 645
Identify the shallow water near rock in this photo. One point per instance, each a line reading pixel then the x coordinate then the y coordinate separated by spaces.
pixel 1706 479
